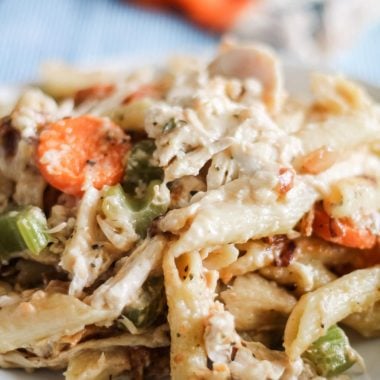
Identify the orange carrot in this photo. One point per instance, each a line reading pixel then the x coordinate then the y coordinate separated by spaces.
pixel 218 15
pixel 96 92
pixel 76 151
pixel 341 231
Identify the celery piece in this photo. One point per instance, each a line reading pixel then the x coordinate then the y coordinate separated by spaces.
pixel 10 238
pixel 140 170
pixel 144 311
pixel 331 354
pixel 139 196
pixel 140 212
pixel 32 227
pixel 21 229
pixel 150 207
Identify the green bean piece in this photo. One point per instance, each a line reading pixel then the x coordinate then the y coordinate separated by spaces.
pixel 140 169
pixel 22 229
pixel 331 354
pixel 138 198
pixel 149 305
pixel 140 212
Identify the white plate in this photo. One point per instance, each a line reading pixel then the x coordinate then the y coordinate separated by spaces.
pixel 297 82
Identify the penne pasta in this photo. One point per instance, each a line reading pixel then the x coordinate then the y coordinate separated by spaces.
pixel 318 310
pixel 190 295
pixel 209 226
pixel 42 311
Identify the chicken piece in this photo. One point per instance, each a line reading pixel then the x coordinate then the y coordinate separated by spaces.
pixel 252 61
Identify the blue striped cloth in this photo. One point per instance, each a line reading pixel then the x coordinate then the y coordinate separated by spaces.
pixel 33 31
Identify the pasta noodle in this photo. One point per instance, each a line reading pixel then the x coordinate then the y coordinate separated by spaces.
pixel 304 275
pixel 319 310
pixel 259 219
pixel 43 312
pixel 366 322
pixel 257 303
pixel 151 338
pixel 257 255
pixel 189 299
pixel 98 365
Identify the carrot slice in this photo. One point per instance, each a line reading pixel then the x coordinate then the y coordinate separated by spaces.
pixel 341 231
pixel 74 152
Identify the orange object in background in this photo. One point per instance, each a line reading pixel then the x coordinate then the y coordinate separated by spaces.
pixel 217 15
pixel 214 14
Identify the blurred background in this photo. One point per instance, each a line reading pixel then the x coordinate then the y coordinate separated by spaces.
pixel 341 34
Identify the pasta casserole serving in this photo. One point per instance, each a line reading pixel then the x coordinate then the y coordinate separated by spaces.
pixel 189 221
